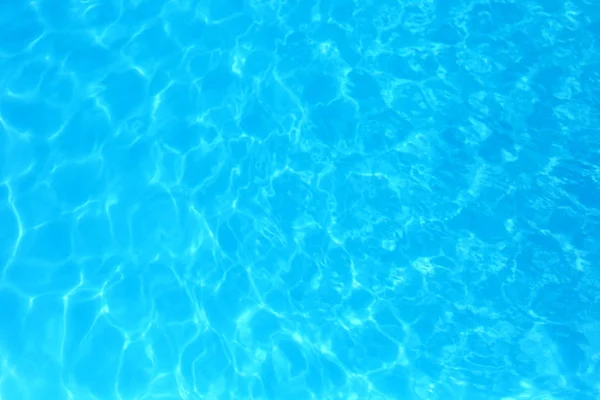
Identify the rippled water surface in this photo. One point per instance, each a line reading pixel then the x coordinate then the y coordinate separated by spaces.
pixel 299 199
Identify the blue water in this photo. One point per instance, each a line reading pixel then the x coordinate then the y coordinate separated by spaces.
pixel 301 199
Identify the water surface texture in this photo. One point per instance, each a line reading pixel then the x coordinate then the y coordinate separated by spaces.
pixel 299 199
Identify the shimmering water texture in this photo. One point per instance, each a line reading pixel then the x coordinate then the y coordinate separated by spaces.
pixel 301 199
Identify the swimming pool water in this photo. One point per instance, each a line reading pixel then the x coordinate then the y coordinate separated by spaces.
pixel 299 199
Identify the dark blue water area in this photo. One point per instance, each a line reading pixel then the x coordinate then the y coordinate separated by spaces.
pixel 318 199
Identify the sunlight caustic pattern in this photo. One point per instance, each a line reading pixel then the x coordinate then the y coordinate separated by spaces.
pixel 316 199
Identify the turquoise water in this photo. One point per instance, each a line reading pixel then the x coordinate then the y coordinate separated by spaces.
pixel 268 199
